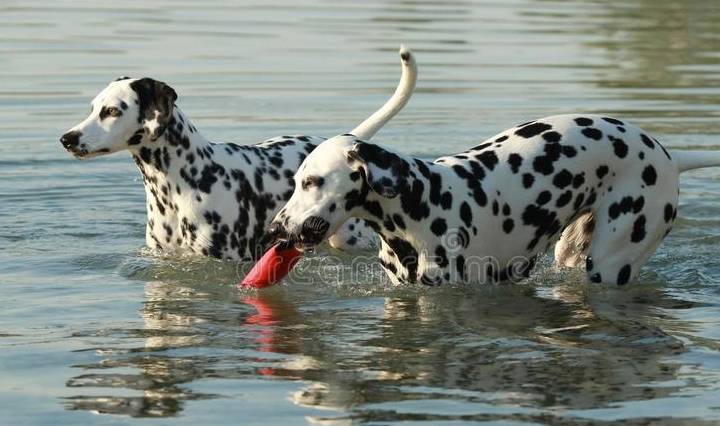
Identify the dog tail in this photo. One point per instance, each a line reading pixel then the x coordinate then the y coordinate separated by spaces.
pixel 689 160
pixel 372 124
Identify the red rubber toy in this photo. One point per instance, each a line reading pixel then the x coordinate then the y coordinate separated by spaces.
pixel 272 267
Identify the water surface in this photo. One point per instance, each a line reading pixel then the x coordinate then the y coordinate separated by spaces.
pixel 93 329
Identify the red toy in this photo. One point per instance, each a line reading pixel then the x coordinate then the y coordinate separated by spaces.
pixel 272 267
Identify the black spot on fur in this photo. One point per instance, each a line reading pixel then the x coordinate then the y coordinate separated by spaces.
pixel 544 197
pixel 532 130
pixel 613 121
pixel 638 232
pixel 545 222
pixel 374 208
pixel 136 138
pixel 473 183
pixel 592 133
pixel 460 266
pixel 563 199
pixel 411 200
pixel 146 155
pixel 466 213
pixel 438 226
pixel 562 179
pixel 582 121
pixel 619 146
pixel 481 146
pixel 544 163
pixel 638 204
pixel 441 256
pixel 649 176
pixel 488 158
pixel 399 221
pixel 579 201
pixel 515 161
pixel 601 171
pixel 668 212
pixel 578 180
pixel 569 151
pixel 552 136
pixel 528 180
pixel 622 207
pixel 624 275
pixel 647 141
pixel 407 255
pixel 508 225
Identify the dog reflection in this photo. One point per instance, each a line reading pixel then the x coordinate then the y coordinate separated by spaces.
pixel 508 345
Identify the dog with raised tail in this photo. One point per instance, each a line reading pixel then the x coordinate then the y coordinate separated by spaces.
pixel 214 199
pixel 605 187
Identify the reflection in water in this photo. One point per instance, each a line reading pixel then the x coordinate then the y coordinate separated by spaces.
pixel 511 347
pixel 169 324
pixel 654 43
pixel 662 58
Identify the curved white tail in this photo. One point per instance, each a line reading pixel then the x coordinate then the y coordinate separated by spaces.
pixel 688 160
pixel 397 101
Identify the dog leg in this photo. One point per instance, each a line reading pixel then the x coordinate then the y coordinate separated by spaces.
pixel 572 248
pixel 628 230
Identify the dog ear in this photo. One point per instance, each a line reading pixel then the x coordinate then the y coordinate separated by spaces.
pixel 383 171
pixel 156 101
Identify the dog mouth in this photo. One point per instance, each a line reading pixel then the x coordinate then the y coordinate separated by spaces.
pixel 79 154
pixel 299 241
pixel 305 248
pixel 284 243
pixel 84 154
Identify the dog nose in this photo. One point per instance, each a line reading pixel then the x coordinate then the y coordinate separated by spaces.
pixel 313 229
pixel 70 139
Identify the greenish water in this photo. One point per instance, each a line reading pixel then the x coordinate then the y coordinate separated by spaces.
pixel 95 330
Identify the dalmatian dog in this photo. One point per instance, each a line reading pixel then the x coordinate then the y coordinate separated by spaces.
pixel 606 188
pixel 214 199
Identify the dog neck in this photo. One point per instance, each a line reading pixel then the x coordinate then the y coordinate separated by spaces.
pixel 172 169
pixel 180 138
pixel 400 221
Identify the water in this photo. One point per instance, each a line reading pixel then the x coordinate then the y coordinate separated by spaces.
pixel 95 330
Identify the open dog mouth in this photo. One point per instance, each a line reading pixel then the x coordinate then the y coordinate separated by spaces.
pixel 285 243
pixel 310 235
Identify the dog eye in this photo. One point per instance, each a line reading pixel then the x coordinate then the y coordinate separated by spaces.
pixel 112 111
pixel 312 181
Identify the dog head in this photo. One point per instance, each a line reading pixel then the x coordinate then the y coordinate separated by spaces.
pixel 342 177
pixel 128 112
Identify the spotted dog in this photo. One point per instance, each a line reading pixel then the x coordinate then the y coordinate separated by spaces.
pixel 604 186
pixel 213 199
